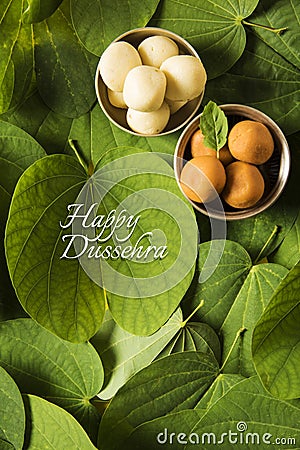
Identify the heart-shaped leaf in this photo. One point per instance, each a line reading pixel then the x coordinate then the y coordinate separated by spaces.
pixel 52 427
pixel 36 12
pixel 12 414
pixel 17 151
pixel 247 308
pixel 65 70
pixel 276 339
pixel 43 364
pixel 143 290
pixel 263 79
pixel 54 291
pixel 170 384
pixel 216 31
pixel 246 414
pixel 106 25
pixel 16 55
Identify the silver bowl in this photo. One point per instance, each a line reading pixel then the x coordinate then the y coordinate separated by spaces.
pixel 275 171
pixel 118 116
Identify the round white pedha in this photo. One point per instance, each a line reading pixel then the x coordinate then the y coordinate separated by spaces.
pixel 115 63
pixel 155 49
pixel 186 77
pixel 116 99
pixel 148 122
pixel 144 88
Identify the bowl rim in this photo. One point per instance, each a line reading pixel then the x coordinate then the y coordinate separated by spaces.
pixel 170 34
pixel 285 162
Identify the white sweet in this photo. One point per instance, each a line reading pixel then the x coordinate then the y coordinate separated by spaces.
pixel 186 77
pixel 175 106
pixel 155 49
pixel 115 63
pixel 116 99
pixel 144 88
pixel 148 122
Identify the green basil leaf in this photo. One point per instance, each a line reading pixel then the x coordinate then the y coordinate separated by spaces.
pixel 275 88
pixel 16 55
pixel 168 385
pixel 288 253
pixel 280 14
pixel 276 341
pixel 123 353
pixel 55 292
pixel 214 126
pixel 231 264
pixel 52 427
pixel 246 414
pixel 107 24
pixel 247 308
pixel 12 419
pixel 65 70
pixel 216 31
pixel 35 12
pixel 63 373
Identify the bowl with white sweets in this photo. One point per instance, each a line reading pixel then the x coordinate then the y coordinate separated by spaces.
pixel 150 81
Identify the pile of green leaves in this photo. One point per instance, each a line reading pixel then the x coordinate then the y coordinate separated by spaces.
pixel 202 357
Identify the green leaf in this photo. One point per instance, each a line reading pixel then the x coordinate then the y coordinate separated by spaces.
pixel 51 427
pixel 16 55
pixel 230 264
pixel 65 70
pixel 170 384
pixel 263 79
pixel 17 151
pixel 143 292
pixel 246 414
pixel 276 341
pixel 194 336
pixel 277 14
pixel 214 126
pixel 35 12
pixel 61 372
pixel 106 25
pixel 71 306
pixel 123 354
pixel 12 414
pixel 247 308
pixel 288 253
pixel 215 30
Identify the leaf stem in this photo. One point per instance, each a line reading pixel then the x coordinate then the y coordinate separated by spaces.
pixel 79 156
pixel 183 324
pixel 275 229
pixel 265 27
pixel 237 336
